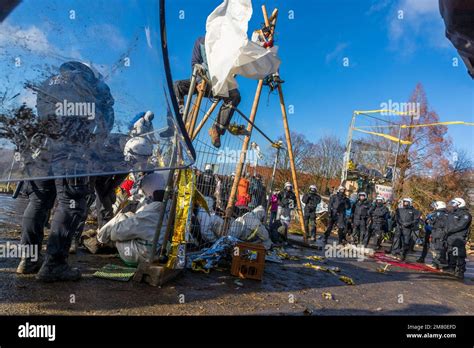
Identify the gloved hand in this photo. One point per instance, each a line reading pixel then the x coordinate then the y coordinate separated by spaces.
pixel 268 44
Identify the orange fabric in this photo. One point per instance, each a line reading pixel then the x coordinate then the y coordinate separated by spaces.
pixel 243 197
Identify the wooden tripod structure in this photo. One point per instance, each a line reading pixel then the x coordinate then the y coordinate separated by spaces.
pixel 270 22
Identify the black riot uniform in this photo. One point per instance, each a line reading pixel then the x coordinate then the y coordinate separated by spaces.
pixel 407 219
pixel 379 215
pixel 360 215
pixel 338 204
pixel 206 183
pixel 311 201
pixel 69 136
pixel 458 224
pixel 439 224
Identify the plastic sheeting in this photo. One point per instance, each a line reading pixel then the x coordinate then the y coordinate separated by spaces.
pixel 250 227
pixel 229 51
pixel 72 76
pixel 210 223
pixel 210 258
pixel 132 233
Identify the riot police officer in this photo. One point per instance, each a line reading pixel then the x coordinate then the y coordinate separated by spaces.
pixel 311 201
pixel 458 224
pixel 68 134
pixel 407 220
pixel 379 215
pixel 360 215
pixel 437 221
pixel 338 204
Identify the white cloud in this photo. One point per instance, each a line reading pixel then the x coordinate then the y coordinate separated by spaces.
pixel 377 6
pixel 421 6
pixel 416 24
pixel 31 39
pixel 109 35
pixel 337 52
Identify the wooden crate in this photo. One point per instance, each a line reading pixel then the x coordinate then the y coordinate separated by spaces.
pixel 250 261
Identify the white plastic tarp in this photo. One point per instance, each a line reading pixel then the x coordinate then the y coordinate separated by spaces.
pixel 229 51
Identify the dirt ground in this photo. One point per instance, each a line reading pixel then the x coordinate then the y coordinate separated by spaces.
pixel 287 289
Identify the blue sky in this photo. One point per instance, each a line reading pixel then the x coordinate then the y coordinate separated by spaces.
pixel 387 58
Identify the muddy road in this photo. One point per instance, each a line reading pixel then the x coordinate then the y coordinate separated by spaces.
pixel 288 288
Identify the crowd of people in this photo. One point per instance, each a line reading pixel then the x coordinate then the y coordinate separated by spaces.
pixel 446 229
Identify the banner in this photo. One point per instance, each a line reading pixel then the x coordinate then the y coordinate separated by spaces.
pixel 385 191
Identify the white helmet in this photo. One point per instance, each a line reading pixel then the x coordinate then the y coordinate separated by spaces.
pixel 288 184
pixel 138 148
pixel 438 205
pixel 409 200
pixel 208 167
pixel 380 198
pixel 151 183
pixel 341 188
pixel 362 194
pixel 457 202
pixel 313 188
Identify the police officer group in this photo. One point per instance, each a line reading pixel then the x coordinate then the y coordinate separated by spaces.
pixel 446 227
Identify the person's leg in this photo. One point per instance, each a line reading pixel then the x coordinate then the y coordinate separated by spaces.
pixel 459 253
pixel 272 217
pixel 279 213
pixel 378 233
pixel 105 188
pixel 41 197
pixel 341 227
pixel 438 249
pixel 443 252
pixel 226 111
pixel 426 243
pixel 356 232
pixel 312 220
pixel 406 242
pixel 396 243
pixel 70 211
pixel 364 233
pixel 306 218
pixel 181 89
pixel 328 231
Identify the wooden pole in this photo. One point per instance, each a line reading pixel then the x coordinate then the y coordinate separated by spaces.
pixel 196 107
pixel 204 119
pixel 240 165
pixel 292 159
pixel 265 16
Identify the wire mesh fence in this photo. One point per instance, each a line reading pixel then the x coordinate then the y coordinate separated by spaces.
pixel 258 211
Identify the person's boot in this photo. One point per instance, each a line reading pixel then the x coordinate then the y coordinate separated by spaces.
pixel 215 137
pixel 28 266
pixel 420 260
pixel 459 274
pixel 53 271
